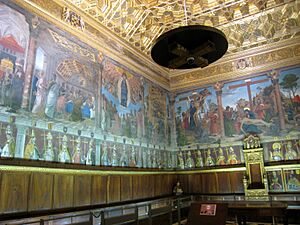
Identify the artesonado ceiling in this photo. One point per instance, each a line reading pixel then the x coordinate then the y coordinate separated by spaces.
pixel 263 33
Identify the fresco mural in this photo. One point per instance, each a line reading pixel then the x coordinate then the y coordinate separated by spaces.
pixel 289 83
pixel 266 105
pixel 197 117
pixel 49 77
pixel 122 102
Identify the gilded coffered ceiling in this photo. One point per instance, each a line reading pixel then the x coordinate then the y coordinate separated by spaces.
pixel 246 23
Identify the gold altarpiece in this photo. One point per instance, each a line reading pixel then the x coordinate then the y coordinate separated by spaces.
pixel 255 180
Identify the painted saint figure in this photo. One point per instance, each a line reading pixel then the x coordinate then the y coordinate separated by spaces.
pixel 209 160
pixel 90 155
pixel 221 158
pixel 10 145
pixel 31 149
pixel 39 94
pixel 52 96
pixel 276 155
pixel 199 160
pixel 104 157
pixel 189 160
pixel 64 155
pixel 49 153
pixel 290 153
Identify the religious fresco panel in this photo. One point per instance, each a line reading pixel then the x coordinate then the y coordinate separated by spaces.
pixel 197 117
pixel 289 83
pixel 47 75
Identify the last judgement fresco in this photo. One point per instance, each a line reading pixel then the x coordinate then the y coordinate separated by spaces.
pixel 61 100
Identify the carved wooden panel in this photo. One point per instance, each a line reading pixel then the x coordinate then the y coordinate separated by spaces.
pixel 224 185
pixel 82 190
pixel 126 188
pixel 113 189
pixel 14 192
pixel 236 180
pixel 98 190
pixel 40 193
pixel 63 191
pixel 137 186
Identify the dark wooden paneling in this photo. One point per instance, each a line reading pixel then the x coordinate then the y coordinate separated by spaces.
pixel 14 192
pixel 40 191
pixel 184 181
pixel 147 186
pixel 82 190
pixel 195 183
pixel 113 189
pixel 63 191
pixel 158 185
pixel 209 183
pixel 99 190
pixel 126 188
pixel 224 184
pixel 236 180
pixel 137 188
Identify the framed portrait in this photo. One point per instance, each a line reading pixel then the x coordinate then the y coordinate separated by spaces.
pixel 275 181
pixel 292 179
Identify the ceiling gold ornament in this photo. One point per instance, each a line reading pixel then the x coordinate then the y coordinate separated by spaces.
pixel 246 23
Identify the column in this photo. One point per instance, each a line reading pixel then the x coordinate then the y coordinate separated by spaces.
pixel 28 73
pixel 218 88
pixel 274 75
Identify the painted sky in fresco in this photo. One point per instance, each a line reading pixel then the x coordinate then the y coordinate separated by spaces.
pixel 181 100
pixel 231 96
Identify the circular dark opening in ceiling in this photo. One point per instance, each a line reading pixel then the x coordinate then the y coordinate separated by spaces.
pixel 189 47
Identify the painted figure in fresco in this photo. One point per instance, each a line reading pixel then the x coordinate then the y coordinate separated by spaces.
pixel 5 88
pixel 209 160
pixel 64 155
pixel 221 160
pixel 17 85
pixel 293 182
pixel 123 87
pixel 276 155
pixel 213 118
pixel 154 159
pixel 250 124
pixel 232 157
pixel 52 96
pixel 199 160
pixel 180 160
pixel 124 157
pixel 77 151
pixel 192 111
pixel 40 94
pixel 10 145
pixel 90 155
pixel 132 161
pixel 189 160
pixel 31 149
pixel 228 122
pixel 290 153
pixel 49 153
pixel 104 157
pixel 275 185
pixel 114 156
